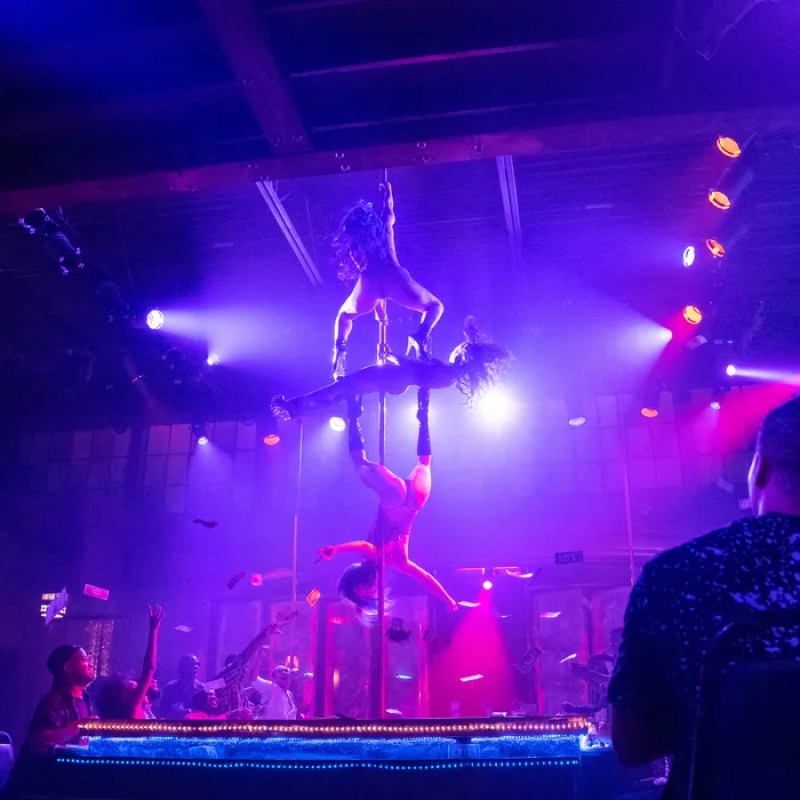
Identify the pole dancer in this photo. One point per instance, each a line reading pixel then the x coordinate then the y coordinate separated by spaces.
pixel 475 365
pixel 366 253
pixel 399 503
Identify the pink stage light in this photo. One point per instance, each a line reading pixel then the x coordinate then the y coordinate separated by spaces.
pixel 715 405
pixel 778 376
pixel 487 585
pixel 470 678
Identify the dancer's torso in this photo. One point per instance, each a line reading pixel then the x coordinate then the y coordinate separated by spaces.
pixel 393 524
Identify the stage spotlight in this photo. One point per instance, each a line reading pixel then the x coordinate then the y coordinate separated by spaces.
pixel 716 248
pixel 666 335
pixel 693 315
pixel 739 174
pixel 271 435
pixel 689 255
pixel 495 405
pixel 200 433
pixel 730 370
pixel 576 410
pixel 728 146
pixel 155 319
pixel 715 405
pixel 649 411
pixel 212 360
pixel 271 439
pixel 719 199
pixel 53 233
pixel 487 585
pixel 337 424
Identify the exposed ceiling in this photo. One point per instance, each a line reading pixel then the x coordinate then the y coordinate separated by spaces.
pixel 149 123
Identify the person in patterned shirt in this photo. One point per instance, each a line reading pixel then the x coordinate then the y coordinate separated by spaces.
pixel 687 595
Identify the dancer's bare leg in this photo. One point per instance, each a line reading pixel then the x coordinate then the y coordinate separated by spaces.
pixel 360 302
pixel 420 489
pixel 405 291
pixel 364 381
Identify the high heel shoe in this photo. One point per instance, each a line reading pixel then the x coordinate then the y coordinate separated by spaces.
pixel 419 346
pixel 339 362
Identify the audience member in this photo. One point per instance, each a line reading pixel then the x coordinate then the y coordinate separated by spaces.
pixel 120 697
pixel 176 699
pixel 275 699
pixel 687 595
pixel 205 705
pixel 237 673
pixel 56 718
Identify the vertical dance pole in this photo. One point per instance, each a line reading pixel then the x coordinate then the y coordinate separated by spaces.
pixel 626 488
pixel 378 682
pixel 295 536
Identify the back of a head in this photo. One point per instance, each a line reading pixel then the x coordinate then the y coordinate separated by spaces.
pixel 779 444
pixel 200 701
pixel 361 229
pixel 358 576
pixel 115 698
pixel 58 659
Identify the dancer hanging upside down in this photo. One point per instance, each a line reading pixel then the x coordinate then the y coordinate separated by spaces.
pixel 399 502
pixel 475 365
pixel 366 253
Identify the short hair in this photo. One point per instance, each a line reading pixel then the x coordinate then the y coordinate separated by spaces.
pixel 58 659
pixel 779 442
pixel 186 660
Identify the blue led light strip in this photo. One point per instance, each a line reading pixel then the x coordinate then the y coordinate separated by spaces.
pixel 387 766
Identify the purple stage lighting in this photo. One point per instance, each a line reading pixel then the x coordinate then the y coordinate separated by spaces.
pixel 715 405
pixel 576 422
pixel 487 585
pixel 337 424
pixel 730 370
pixel 689 256
pixel 495 406
pixel 155 319
pixel 202 441
pixel 212 360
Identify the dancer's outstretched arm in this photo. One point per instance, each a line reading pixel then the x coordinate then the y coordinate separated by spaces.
pixel 366 549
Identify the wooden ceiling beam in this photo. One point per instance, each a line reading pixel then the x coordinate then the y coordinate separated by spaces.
pixel 640 132
pixel 241 34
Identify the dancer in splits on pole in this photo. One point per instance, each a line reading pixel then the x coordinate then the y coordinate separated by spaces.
pixel 366 253
pixel 474 366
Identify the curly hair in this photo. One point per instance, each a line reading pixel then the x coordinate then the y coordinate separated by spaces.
pixel 361 229
pixel 484 362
